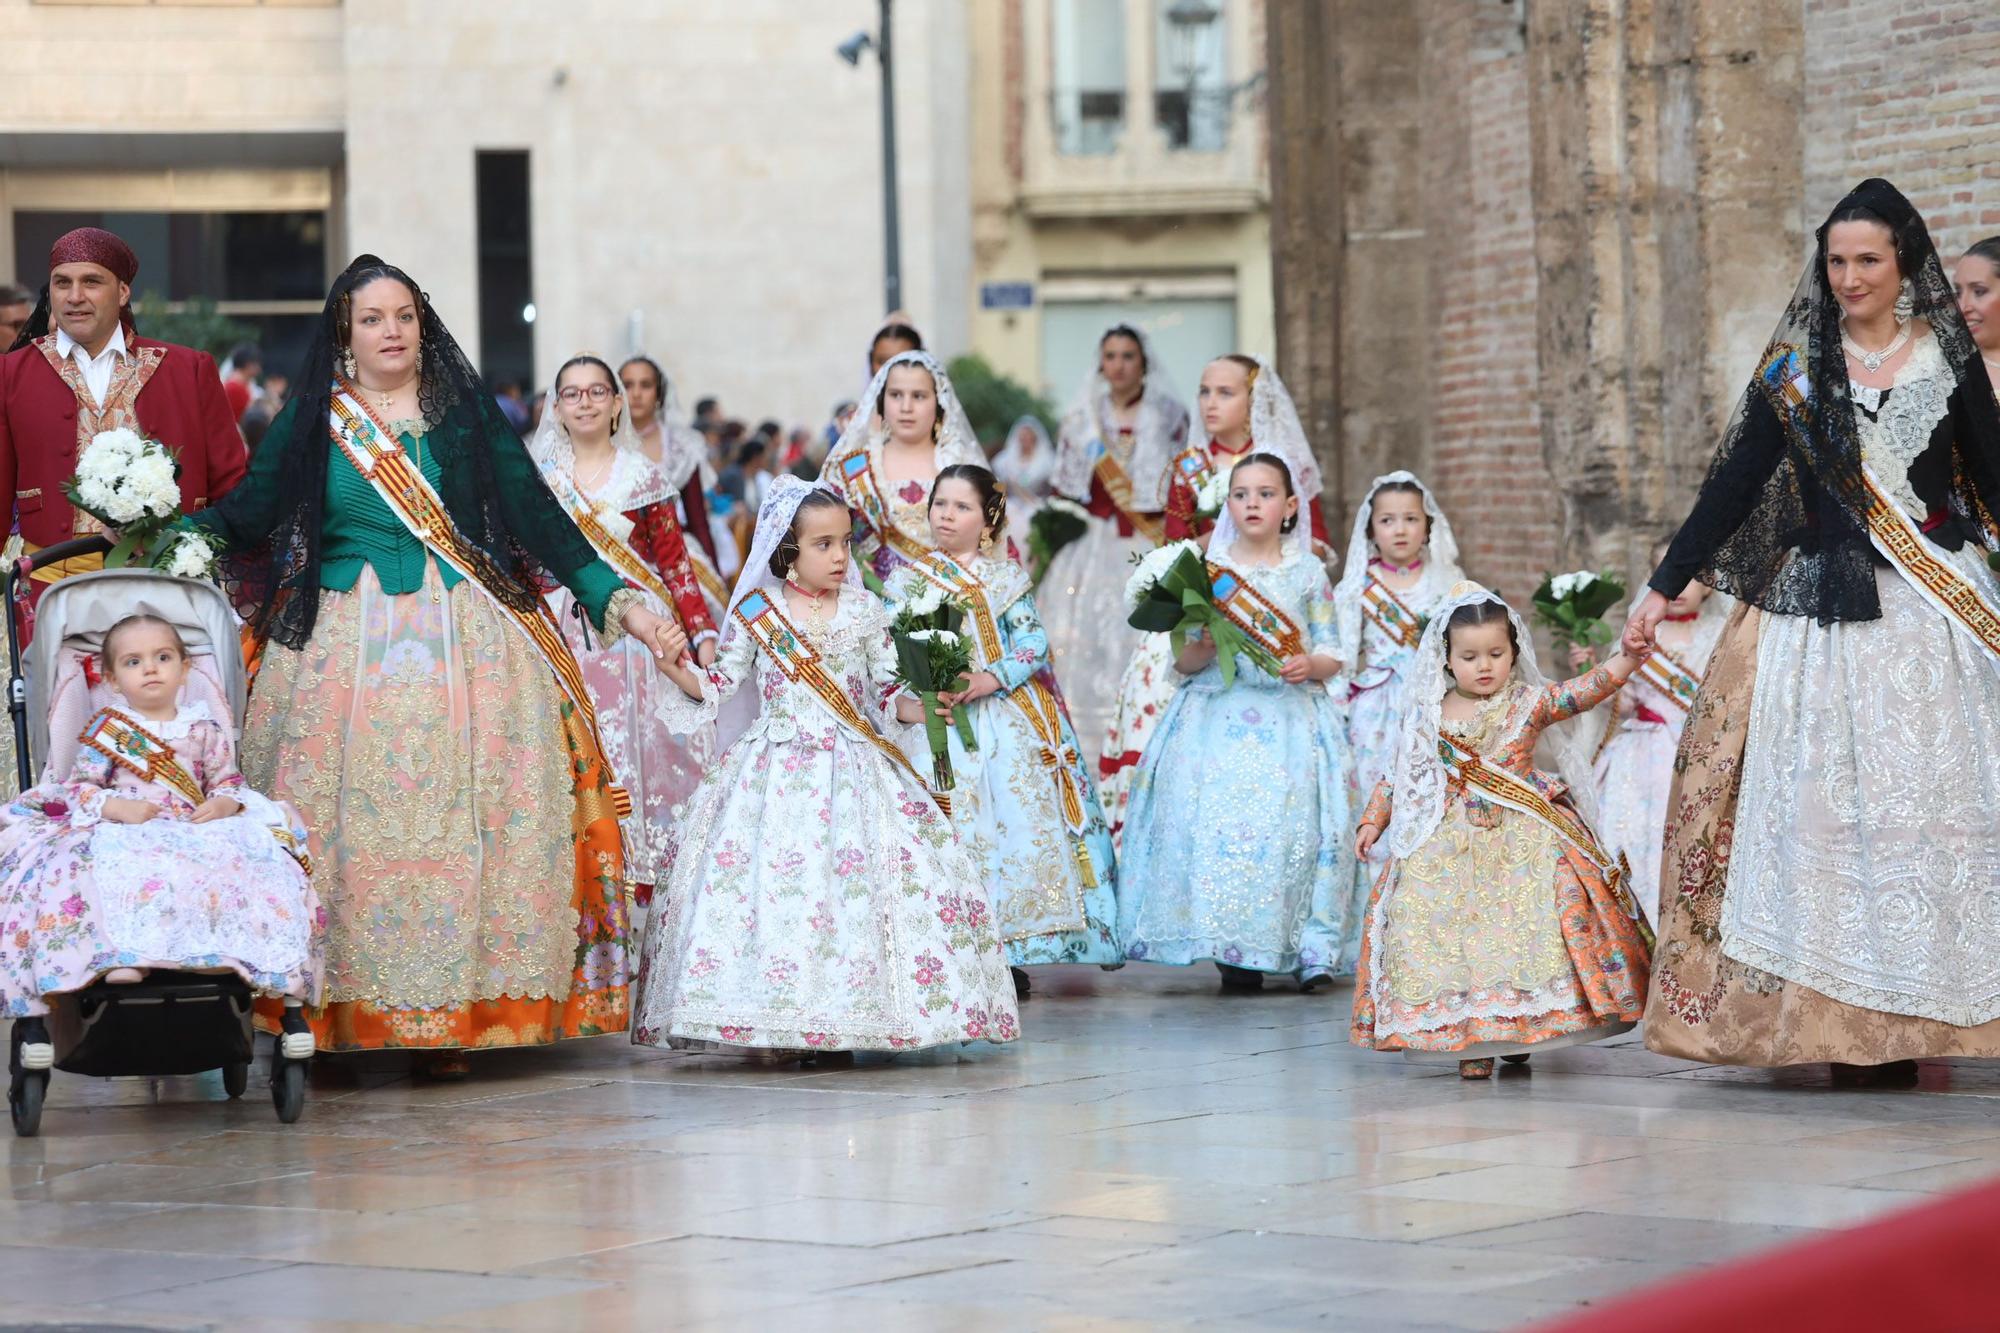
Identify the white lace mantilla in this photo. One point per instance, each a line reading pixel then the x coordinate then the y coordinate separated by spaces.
pixel 1907 414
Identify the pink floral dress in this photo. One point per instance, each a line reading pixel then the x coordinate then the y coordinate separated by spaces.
pixel 80 895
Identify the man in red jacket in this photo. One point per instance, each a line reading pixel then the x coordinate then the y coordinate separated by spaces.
pixel 81 368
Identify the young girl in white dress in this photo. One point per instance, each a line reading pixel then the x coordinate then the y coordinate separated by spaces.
pixel 816 900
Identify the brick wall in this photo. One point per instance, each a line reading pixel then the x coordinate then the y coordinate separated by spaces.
pixel 1488 464
pixel 1908 90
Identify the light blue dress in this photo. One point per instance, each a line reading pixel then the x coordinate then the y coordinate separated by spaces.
pixel 1023 802
pixel 1238 840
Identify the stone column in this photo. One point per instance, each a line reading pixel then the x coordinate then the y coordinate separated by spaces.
pixel 1308 243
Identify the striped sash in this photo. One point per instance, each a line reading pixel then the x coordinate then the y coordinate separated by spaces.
pixel 1033 699
pixel 614 550
pixel 864 496
pixel 380 460
pixel 1380 604
pixel 138 751
pixel 1671 677
pixel 800 661
pixel 1254 613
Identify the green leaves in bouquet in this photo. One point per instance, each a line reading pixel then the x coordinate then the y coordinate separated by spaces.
pixel 1578 619
pixel 1052 527
pixel 1183 601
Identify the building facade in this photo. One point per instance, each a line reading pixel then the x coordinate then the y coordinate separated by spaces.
pixel 1119 172
pixel 702 182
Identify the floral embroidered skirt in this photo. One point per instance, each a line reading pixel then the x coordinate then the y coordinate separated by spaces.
pixel 1707 1005
pixel 464 841
pixel 817 900
pixel 76 902
pixel 1144 691
pixel 1632 773
pixel 1238 846
pixel 1495 938
pixel 657 768
pixel 1082 600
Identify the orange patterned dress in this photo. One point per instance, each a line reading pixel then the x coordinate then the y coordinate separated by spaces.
pixel 1497 935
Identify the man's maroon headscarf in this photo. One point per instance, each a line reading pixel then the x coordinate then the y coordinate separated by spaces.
pixel 94 245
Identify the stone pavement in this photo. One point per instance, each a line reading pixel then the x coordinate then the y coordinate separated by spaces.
pixel 1153 1155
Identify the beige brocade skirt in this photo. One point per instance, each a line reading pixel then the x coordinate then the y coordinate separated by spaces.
pixel 418 735
pixel 1706 1005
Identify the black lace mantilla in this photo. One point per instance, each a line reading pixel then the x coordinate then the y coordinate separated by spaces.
pixel 1776 524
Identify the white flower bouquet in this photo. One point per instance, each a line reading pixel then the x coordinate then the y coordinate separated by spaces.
pixel 128 483
pixel 1573 605
pixel 1212 496
pixel 1058 522
pixel 933 656
pixel 187 555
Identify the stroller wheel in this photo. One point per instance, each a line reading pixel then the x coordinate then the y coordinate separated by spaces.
pixel 24 1100
pixel 288 1089
pixel 236 1078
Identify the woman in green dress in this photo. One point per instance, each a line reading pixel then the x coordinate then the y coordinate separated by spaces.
pixel 416 702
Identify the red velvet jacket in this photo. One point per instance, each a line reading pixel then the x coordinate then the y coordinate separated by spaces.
pixel 182 406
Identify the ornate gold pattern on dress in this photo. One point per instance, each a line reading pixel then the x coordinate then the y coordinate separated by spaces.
pixel 459 886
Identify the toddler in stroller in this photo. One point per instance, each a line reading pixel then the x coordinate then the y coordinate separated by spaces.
pixel 142 856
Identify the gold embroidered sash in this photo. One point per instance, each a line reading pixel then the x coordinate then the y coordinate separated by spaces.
pixel 613 550
pixel 1671 677
pixel 800 662
pixel 1940 584
pixel 864 496
pixel 1254 613
pixel 1518 794
pixel 138 751
pixel 1380 604
pixel 380 460
pixel 1033 698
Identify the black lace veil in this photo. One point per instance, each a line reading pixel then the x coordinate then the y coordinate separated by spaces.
pixel 1778 523
pixel 275 579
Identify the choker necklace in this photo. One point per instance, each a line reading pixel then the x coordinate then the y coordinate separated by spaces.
pixel 1682 620
pixel 1395 568
pixel 816 616
pixel 1873 360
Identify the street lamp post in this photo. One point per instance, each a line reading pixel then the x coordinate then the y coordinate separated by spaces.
pixel 892 247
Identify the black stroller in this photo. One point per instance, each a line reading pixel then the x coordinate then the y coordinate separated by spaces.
pixel 170 1022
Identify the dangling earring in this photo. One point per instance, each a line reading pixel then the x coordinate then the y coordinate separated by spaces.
pixel 347 362
pixel 1906 301
pixel 417 361
pixel 986 542
pixel 937 425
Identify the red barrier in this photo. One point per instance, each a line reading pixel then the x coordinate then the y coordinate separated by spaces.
pixel 1934 1268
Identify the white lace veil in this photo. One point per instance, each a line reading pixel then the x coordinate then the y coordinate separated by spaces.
pixel 1419 784
pixel 1274 429
pixel 1225 534
pixel 955 442
pixel 1029 475
pixel 774 523
pixel 1441 569
pixel 683 449
pixel 643 480
pixel 1158 435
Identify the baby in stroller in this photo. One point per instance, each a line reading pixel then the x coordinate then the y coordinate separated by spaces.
pixel 146 849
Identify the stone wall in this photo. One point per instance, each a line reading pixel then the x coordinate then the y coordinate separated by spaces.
pixel 1568 226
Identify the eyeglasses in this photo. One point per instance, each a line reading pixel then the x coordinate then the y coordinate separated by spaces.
pixel 574 394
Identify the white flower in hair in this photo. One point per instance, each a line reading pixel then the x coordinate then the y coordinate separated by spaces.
pixel 1150 569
